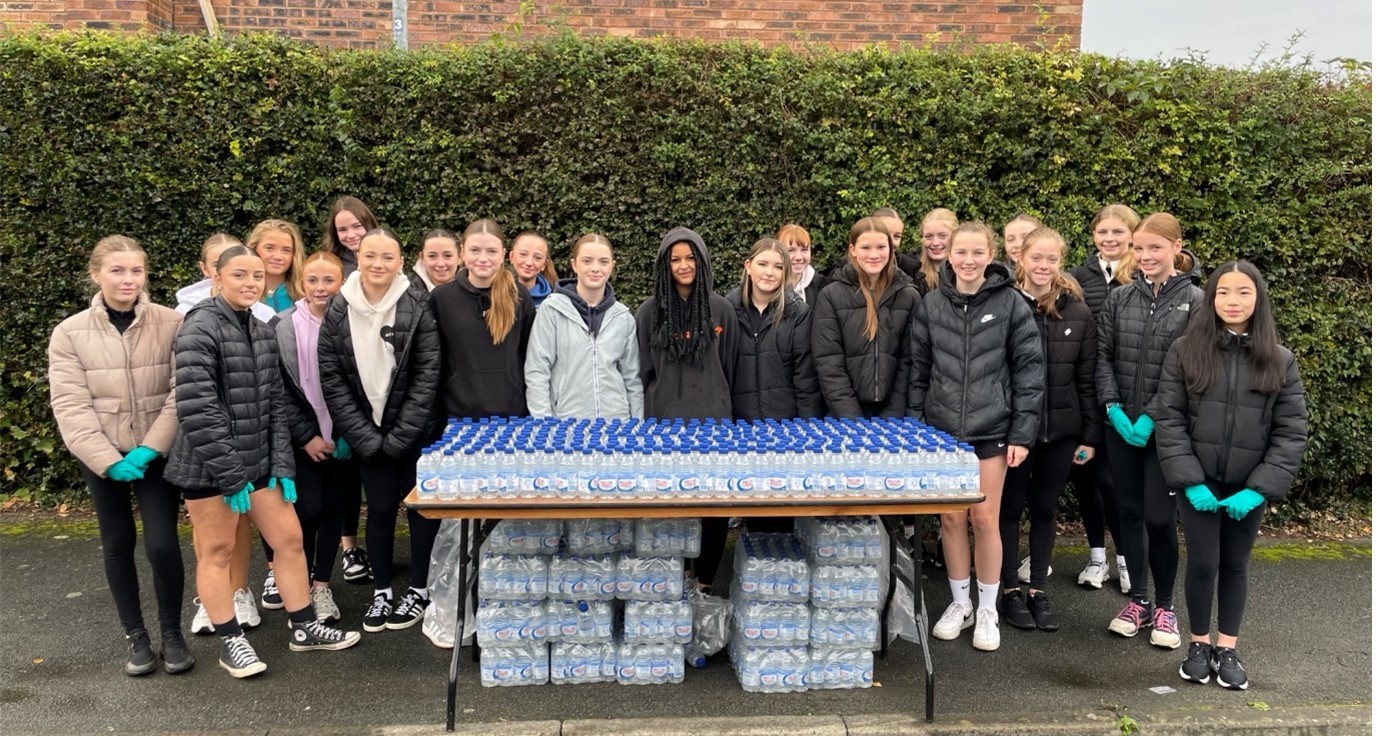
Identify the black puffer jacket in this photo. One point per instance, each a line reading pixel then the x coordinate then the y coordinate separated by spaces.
pixel 978 364
pixel 412 411
pixel 230 404
pixel 1234 436
pixel 852 369
pixel 774 376
pixel 908 263
pixel 1095 288
pixel 1134 330
pixel 1070 407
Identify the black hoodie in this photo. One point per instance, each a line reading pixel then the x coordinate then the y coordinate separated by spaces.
pixel 478 378
pixel 680 389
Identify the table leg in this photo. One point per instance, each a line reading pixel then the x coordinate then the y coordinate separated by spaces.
pixel 459 626
pixel 922 618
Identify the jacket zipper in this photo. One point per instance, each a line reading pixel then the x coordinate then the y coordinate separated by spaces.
pixel 1144 348
pixel 966 351
pixel 1047 418
pixel 594 348
pixel 134 417
pixel 1230 417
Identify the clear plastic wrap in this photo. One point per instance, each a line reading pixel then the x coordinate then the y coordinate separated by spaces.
pixel 770 623
pixel 667 538
pixel 522 664
pixel 526 537
pixel 658 622
pixel 651 664
pixel 770 669
pixel 900 615
pixel 512 577
pixel 844 627
pixel 651 578
pixel 839 668
pixel 598 536
pixel 712 627
pixel 770 567
pixel 573 664
pixel 442 587
pixel 579 622
pixel 843 540
pixel 580 578
pixel 505 623
pixel 844 586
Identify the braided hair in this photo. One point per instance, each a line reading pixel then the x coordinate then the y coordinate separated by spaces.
pixel 683 328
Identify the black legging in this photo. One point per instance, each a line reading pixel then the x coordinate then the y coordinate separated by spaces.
pixel 1095 489
pixel 1036 482
pixel 159 503
pixel 386 482
pixel 320 490
pixel 1147 515
pixel 349 506
pixel 712 541
pixel 1218 556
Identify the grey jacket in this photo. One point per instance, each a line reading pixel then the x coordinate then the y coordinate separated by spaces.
pixel 571 372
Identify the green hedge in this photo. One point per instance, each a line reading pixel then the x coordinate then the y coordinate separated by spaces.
pixel 168 139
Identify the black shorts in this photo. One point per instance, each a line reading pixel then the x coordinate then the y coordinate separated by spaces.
pixel 987 449
pixel 196 494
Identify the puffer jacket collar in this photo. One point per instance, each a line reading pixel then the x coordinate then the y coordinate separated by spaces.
pixel 848 275
pixel 997 277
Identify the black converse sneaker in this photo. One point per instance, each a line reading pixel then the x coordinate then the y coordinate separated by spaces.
pixel 1197 666
pixel 356 566
pixel 271 599
pixel 176 657
pixel 409 611
pixel 237 656
pixel 313 635
pixel 1230 673
pixel 141 660
pixel 377 615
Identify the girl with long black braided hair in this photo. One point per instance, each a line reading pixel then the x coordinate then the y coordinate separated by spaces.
pixel 687 343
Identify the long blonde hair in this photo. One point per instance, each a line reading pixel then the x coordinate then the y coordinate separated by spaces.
pixel 1167 227
pixel 1062 282
pixel 782 293
pixel 293 278
pixel 872 288
pixel 502 294
pixel 929 267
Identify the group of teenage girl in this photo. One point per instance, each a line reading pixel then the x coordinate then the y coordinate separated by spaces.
pixel 285 386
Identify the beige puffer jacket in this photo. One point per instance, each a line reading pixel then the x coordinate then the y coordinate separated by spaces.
pixel 113 392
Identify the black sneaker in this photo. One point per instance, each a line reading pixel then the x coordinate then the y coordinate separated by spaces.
pixel 1197 666
pixel 271 599
pixel 1040 611
pixel 377 615
pixel 141 660
pixel 176 657
pixel 1230 673
pixel 408 612
pixel 314 635
pixel 356 566
pixel 1015 610
pixel 237 656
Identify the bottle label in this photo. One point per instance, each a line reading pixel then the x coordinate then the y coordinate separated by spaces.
pixel 689 484
pixel 894 484
pixel 430 486
pixel 854 482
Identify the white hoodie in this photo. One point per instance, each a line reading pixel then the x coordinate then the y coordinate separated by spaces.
pixel 375 356
pixel 420 270
pixel 190 296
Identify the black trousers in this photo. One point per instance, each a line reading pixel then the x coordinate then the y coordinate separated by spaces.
pixel 321 490
pixel 1035 484
pixel 386 482
pixel 1095 490
pixel 1148 517
pixel 1218 556
pixel 159 504
pixel 712 542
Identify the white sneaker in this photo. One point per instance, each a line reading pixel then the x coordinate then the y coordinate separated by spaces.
pixel 1093 575
pixel 1124 578
pixel 987 635
pixel 201 622
pixel 324 601
pixel 954 619
pixel 246 610
pixel 1023 572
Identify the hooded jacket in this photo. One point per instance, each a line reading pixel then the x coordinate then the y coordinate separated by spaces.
pixel 978 363
pixel 1095 288
pixel 230 404
pixel 1070 408
pixel 680 389
pixel 409 411
pixel 480 379
pixel 192 295
pixel 1232 435
pixel 582 360
pixel 539 290
pixel 852 369
pixel 774 376
pixel 112 392
pixel 421 278
pixel 1134 331
pixel 302 424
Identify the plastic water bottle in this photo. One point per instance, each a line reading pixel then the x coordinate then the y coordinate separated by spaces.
pixel 523 664
pixel 428 478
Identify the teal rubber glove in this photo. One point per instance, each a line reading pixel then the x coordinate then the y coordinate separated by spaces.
pixel 1241 504
pixel 1202 499
pixel 1121 423
pixel 140 457
pixel 1140 431
pixel 289 488
pixel 342 450
pixel 124 472
pixel 239 500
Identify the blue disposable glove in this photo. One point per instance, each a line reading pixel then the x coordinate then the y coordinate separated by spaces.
pixel 1202 499
pixel 124 472
pixel 140 457
pixel 1140 431
pixel 289 488
pixel 239 500
pixel 1241 504
pixel 342 450
pixel 1121 423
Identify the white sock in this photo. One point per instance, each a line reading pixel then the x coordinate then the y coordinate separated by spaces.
pixel 1120 562
pixel 420 591
pixel 385 592
pixel 986 595
pixel 962 591
pixel 1099 554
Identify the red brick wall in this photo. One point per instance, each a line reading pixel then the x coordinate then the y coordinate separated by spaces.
pixel 368 23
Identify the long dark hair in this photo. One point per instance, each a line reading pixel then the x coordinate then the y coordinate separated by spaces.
pixel 1199 351
pixel 682 328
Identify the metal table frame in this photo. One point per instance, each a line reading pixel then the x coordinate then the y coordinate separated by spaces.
pixel 488 512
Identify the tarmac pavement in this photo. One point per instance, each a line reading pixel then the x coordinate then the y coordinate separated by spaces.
pixel 1306 642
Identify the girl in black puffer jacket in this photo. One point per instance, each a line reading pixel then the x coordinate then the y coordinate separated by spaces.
pixel 1232 427
pixel 860 328
pixel 1134 331
pixel 1069 424
pixel 979 376
pixel 234 443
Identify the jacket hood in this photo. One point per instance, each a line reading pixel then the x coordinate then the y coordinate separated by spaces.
pixel 792 300
pixel 592 315
pixel 541 289
pixel 420 271
pixel 686 235
pixel 997 277
pixel 353 293
pixel 189 296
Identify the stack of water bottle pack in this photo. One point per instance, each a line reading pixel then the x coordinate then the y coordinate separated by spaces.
pixel 770 602
pixel 550 594
pixel 846 561
pixel 621 460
